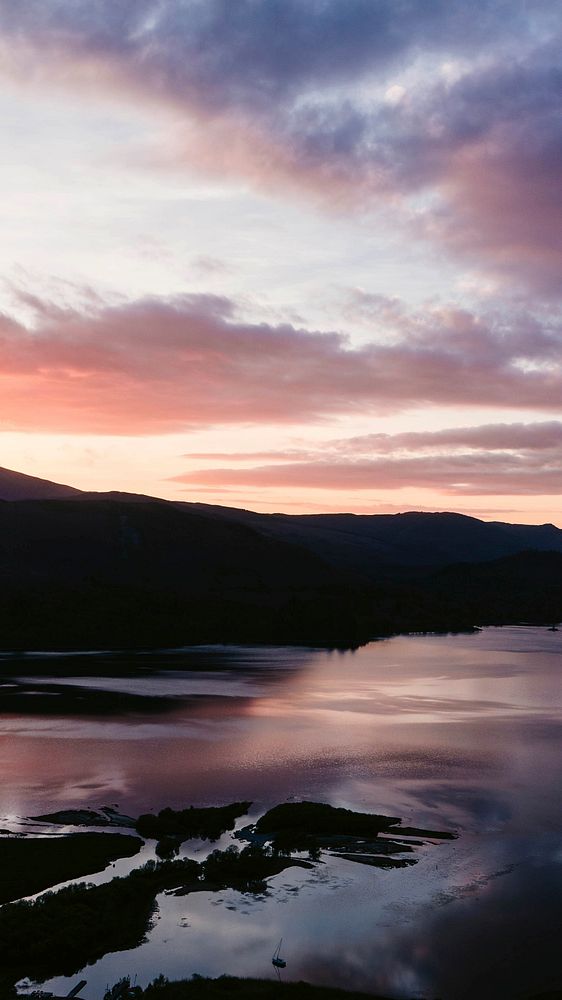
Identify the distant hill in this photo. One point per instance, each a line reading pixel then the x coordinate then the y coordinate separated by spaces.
pixel 526 586
pixel 98 572
pixel 365 545
pixel 101 569
pixel 373 544
pixel 17 486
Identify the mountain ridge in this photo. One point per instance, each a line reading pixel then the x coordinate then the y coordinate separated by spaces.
pixel 20 486
pixel 94 570
pixel 361 544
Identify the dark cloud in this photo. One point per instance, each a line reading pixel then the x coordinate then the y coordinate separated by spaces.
pixel 254 52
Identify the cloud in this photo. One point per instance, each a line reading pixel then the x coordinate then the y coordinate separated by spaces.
pixel 459 475
pixel 516 437
pixel 161 365
pixel 250 56
pixel 503 459
pixel 295 94
pixel 501 180
pixel 210 266
pixel 494 936
pixel 543 436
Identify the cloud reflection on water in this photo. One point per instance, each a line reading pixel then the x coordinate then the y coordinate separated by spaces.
pixel 447 732
pixel 500 941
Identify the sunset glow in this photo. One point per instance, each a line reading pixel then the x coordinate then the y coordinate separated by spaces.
pixel 285 255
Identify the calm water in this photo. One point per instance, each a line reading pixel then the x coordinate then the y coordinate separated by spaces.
pixel 452 732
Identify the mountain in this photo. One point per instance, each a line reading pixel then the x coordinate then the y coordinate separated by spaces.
pixel 526 586
pixel 367 546
pixel 374 545
pixel 87 569
pixel 98 572
pixel 17 486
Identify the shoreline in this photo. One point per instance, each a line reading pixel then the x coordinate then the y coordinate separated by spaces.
pixel 47 653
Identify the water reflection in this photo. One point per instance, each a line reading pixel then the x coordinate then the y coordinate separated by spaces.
pixel 458 732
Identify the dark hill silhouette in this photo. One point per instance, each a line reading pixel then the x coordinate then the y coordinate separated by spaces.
pixel 17 486
pixel 526 586
pixel 99 572
pixel 366 545
pixel 370 544
pixel 119 569
pixel 144 543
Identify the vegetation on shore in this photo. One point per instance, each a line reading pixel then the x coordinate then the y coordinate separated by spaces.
pixel 234 988
pixel 227 987
pixel 322 819
pixel 207 823
pixel 61 932
pixel 290 827
pixel 30 864
pixel 353 836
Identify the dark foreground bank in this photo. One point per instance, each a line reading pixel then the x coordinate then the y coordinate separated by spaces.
pixel 227 987
pixel 232 988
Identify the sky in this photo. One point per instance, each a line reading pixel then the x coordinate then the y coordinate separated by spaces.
pixel 298 255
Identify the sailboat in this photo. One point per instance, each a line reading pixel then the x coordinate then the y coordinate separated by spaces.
pixel 277 961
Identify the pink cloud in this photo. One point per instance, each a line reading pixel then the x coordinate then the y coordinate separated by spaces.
pixel 454 475
pixel 542 436
pixel 156 366
pixel 507 459
pixel 514 437
pixel 504 209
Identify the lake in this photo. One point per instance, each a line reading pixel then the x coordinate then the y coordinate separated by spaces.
pixel 457 732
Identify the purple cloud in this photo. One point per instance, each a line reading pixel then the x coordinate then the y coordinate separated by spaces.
pixel 291 93
pixel 252 55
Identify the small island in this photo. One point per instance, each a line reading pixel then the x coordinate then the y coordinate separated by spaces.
pixel 354 836
pixel 62 931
